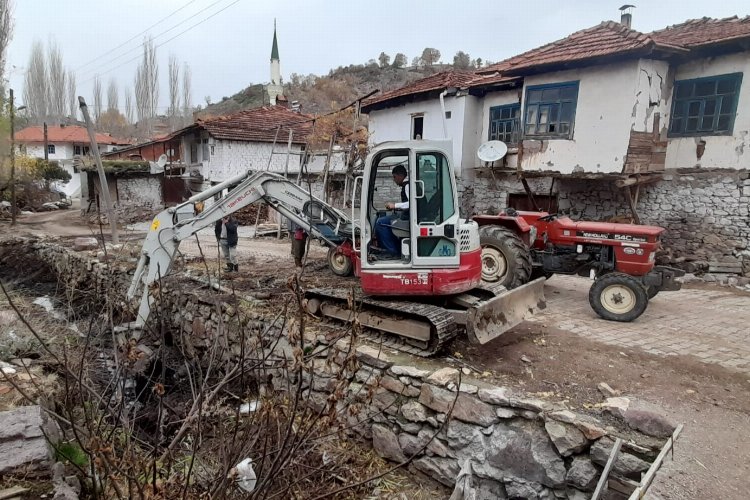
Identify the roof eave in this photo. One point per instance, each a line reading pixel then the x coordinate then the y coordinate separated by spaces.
pixel 407 98
pixel 653 51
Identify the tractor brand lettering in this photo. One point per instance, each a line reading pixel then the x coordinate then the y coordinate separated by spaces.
pixel 241 197
pixel 598 236
pixel 610 236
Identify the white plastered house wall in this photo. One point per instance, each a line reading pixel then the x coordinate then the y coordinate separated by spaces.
pixel 395 124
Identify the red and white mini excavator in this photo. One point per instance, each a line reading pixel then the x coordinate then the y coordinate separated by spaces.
pixel 415 302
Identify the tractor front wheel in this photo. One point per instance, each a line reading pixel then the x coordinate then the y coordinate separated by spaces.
pixel 652 291
pixel 618 297
pixel 505 257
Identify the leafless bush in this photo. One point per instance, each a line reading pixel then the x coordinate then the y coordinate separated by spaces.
pixel 160 415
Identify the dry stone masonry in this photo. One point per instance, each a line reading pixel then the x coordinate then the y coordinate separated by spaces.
pixel 498 442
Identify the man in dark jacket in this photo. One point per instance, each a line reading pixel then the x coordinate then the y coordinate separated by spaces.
pixel 389 244
pixel 226 234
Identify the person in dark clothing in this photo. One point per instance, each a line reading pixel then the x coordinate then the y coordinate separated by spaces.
pixel 387 241
pixel 299 246
pixel 226 234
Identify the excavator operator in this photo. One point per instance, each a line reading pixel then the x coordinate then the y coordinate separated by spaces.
pixel 387 241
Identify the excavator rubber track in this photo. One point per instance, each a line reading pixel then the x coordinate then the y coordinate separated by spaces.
pixel 436 326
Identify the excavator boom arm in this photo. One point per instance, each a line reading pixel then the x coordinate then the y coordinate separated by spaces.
pixel 175 224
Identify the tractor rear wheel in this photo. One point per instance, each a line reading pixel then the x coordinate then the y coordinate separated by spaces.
pixel 505 257
pixel 340 264
pixel 618 297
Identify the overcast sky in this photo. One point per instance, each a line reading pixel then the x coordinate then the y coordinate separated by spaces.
pixel 230 50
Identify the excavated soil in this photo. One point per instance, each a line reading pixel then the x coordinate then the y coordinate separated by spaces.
pixel 712 457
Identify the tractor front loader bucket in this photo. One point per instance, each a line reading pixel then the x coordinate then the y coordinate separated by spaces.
pixel 493 317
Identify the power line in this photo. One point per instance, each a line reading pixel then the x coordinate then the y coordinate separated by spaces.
pixel 135 36
pixel 95 73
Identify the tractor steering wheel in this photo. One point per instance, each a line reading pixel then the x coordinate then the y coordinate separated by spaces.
pixel 549 217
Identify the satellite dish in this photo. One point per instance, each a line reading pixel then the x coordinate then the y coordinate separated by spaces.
pixel 162 161
pixel 492 151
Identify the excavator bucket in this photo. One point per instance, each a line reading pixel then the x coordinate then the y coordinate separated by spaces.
pixel 491 318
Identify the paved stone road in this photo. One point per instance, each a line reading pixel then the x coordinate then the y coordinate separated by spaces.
pixel 712 325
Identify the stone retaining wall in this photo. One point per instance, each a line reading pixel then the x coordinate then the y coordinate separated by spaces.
pixel 453 425
pixel 705 213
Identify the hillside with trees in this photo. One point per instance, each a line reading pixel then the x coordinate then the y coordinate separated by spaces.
pixel 321 94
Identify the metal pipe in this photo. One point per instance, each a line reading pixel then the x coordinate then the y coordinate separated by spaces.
pixel 442 107
pixel 12 162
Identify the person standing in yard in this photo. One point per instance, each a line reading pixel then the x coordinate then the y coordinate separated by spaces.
pixel 299 245
pixel 226 235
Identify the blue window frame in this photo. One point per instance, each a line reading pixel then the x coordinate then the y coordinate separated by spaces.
pixel 705 106
pixel 504 123
pixel 550 110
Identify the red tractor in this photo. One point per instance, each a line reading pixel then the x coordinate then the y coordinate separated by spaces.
pixel 620 258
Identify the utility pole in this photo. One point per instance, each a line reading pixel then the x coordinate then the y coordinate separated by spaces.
pixel 102 177
pixel 46 144
pixel 13 206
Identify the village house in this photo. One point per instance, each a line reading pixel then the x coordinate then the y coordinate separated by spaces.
pixel 269 138
pixel 63 144
pixel 605 123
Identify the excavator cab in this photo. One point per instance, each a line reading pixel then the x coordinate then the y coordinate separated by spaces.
pixel 430 233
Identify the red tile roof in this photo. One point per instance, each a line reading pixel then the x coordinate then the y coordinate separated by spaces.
pixel 62 134
pixel 438 81
pixel 705 31
pixel 606 39
pixel 260 124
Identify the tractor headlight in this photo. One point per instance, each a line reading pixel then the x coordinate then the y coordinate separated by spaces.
pixel 532 236
pixel 652 256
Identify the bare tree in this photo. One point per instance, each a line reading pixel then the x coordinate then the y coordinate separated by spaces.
pixel 35 94
pixel 113 98
pixel 141 96
pixel 187 97
pixel 152 76
pixel 56 74
pixel 174 91
pixel 147 85
pixel 128 106
pixel 6 33
pixel 97 98
pixel 72 95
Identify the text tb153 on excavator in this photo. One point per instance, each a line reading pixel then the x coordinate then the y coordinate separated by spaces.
pixel 415 302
